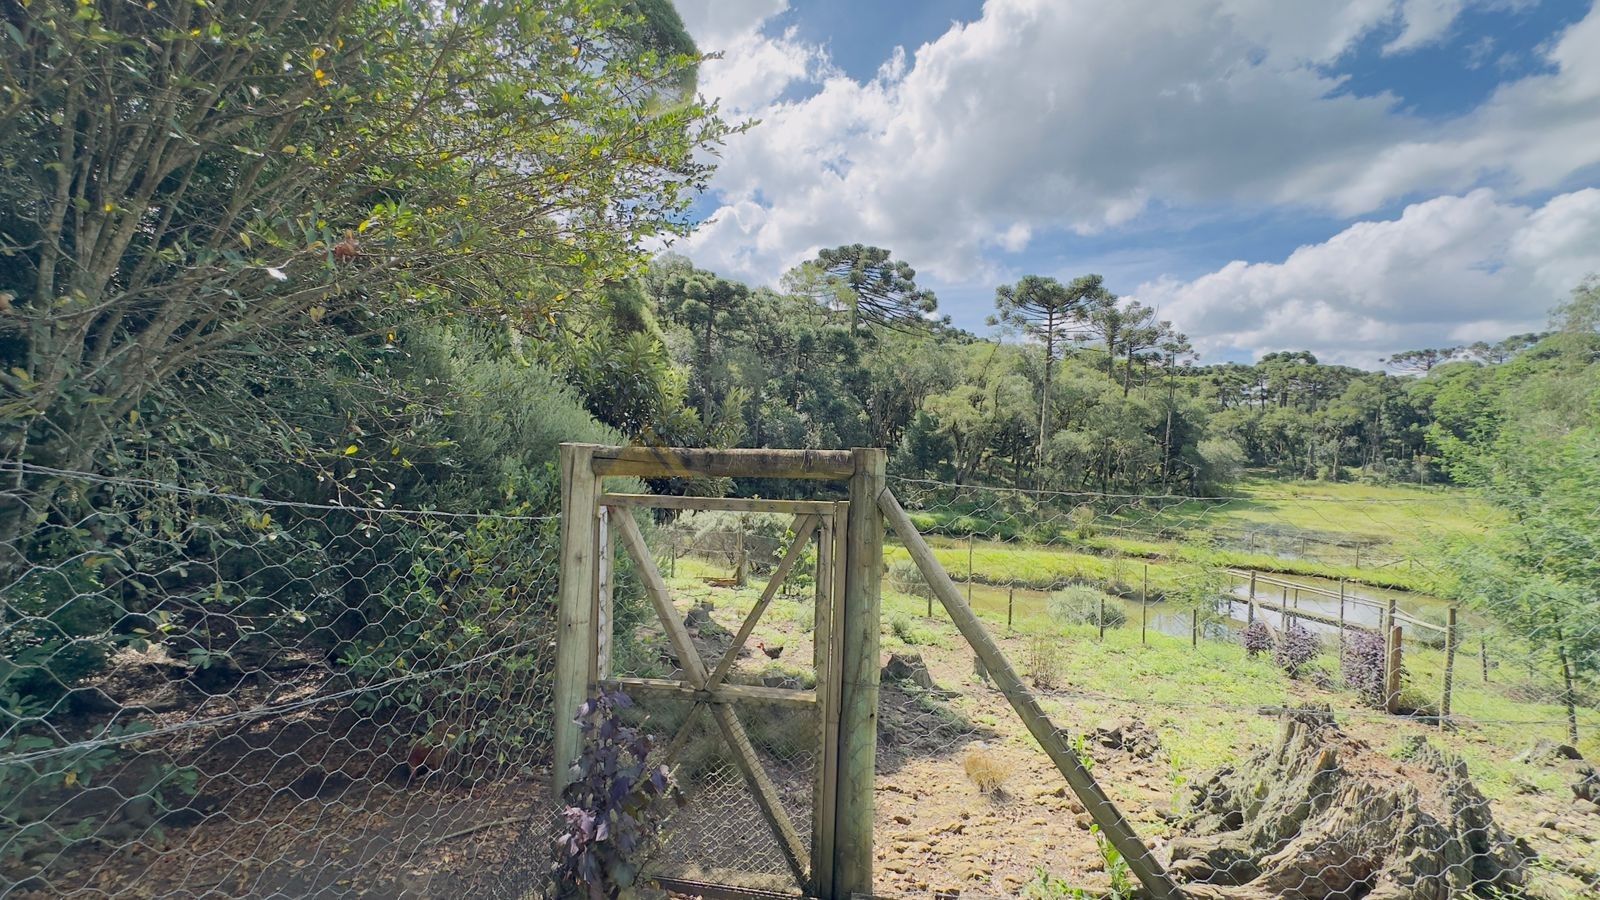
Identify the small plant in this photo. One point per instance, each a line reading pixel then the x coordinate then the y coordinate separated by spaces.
pixel 906 578
pixel 1046 665
pixel 1297 647
pixel 1045 886
pixel 1364 666
pixel 1080 747
pixel 911 631
pixel 1256 638
pixel 1079 605
pixel 985 768
pixel 1082 518
pixel 614 806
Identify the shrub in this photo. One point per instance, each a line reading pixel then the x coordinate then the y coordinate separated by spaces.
pixel 1297 647
pixel 1256 638
pixel 1082 606
pixel 1364 666
pixel 985 768
pixel 906 578
pixel 1082 518
pixel 614 803
pixel 911 631
pixel 1046 663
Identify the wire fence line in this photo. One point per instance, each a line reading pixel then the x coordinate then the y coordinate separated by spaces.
pixel 198 698
pixel 208 693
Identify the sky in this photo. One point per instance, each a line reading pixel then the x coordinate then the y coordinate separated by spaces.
pixel 1352 177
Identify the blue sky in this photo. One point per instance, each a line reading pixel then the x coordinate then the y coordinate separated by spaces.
pixel 1350 177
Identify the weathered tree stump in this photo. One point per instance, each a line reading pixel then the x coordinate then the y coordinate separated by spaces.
pixel 1321 815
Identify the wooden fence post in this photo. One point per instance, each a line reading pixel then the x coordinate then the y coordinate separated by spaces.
pixel 1144 603
pixel 1391 681
pixel 971 539
pixel 858 673
pixel 1449 664
pixel 1011 602
pixel 1194 627
pixel 1569 695
pixel 1341 625
pixel 1102 617
pixel 1483 656
pixel 575 632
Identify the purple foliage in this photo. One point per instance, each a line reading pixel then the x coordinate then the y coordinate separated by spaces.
pixel 1364 666
pixel 1297 647
pixel 1256 637
pixel 614 803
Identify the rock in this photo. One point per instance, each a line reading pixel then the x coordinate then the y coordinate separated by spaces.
pixel 1543 752
pixel 908 669
pixel 1320 816
pixel 1128 735
pixel 1523 786
pixel 699 615
pixel 1165 812
pixel 1587 787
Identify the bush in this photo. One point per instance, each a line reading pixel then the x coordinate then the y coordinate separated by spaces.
pixel 1256 638
pixel 1364 666
pixel 1046 663
pixel 1082 606
pixel 1297 647
pixel 906 578
pixel 911 631
pixel 615 803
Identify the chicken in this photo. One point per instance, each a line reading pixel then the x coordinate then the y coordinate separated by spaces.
pixel 771 652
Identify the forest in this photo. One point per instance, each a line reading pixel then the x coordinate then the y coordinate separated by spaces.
pixel 356 255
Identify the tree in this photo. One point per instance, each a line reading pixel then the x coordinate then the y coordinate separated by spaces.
pixel 1421 362
pixel 1105 319
pixel 192 182
pixel 711 308
pixel 868 284
pixel 1044 310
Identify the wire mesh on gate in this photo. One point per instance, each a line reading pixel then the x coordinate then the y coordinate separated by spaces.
pixel 1261 748
pixel 208 694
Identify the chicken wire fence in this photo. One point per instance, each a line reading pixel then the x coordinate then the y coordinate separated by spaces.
pixel 206 694
pixel 1243 704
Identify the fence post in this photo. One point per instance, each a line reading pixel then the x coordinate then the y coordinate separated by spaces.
pixel 1194 627
pixel 1011 602
pixel 970 540
pixel 1102 617
pixel 858 674
pixel 1144 605
pixel 1391 681
pixel 1483 656
pixel 575 632
pixel 1283 609
pixel 1449 664
pixel 1341 625
pixel 672 567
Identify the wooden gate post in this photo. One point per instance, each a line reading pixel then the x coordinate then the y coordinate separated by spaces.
pixel 576 649
pixel 858 674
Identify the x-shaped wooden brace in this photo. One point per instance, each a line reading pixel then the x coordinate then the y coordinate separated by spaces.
pixel 706 684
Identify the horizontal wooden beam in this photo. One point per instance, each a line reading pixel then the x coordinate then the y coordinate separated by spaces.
pixel 731 504
pixel 749 693
pixel 687 462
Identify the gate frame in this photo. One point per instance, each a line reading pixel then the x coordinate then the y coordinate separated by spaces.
pixel 849 745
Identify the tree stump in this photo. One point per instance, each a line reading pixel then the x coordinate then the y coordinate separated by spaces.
pixel 1320 815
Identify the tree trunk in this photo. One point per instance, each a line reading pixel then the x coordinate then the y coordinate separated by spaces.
pixel 1322 815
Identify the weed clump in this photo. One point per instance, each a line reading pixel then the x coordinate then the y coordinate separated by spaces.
pixel 1256 638
pixel 1297 647
pixel 985 768
pixel 1079 605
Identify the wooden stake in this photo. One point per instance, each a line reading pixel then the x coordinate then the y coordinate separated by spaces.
pixel 1392 676
pixel 969 567
pixel 1141 862
pixel 1144 605
pixel 1011 602
pixel 1449 664
pixel 858 674
pixel 1483 657
pixel 1102 618
pixel 1194 627
pixel 1341 625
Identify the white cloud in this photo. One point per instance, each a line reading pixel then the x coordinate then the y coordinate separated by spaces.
pixel 1455 268
pixel 1072 115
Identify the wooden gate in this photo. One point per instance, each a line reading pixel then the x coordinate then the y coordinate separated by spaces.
pixel 794 820
pixel 826 851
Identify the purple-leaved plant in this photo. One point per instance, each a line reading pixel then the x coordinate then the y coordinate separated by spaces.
pixel 1297 647
pixel 615 804
pixel 1364 666
pixel 1256 637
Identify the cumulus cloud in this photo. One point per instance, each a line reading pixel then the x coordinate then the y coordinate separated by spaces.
pixel 1042 117
pixel 1454 268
